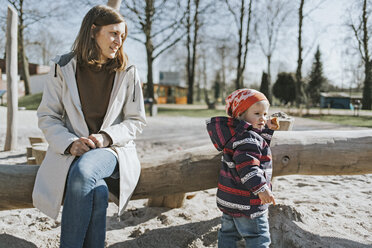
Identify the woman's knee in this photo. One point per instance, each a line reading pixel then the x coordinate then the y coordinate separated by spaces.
pixel 81 174
pixel 101 194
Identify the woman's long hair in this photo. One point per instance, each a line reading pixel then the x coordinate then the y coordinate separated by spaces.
pixel 86 48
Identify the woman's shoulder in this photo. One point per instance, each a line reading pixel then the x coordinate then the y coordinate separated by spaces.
pixel 130 70
pixel 63 59
pixel 130 67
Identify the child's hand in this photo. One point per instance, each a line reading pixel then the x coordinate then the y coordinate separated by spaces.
pixel 266 197
pixel 273 123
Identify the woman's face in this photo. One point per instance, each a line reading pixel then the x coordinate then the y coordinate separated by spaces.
pixel 109 39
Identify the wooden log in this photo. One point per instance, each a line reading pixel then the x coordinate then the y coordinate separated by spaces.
pixel 39 152
pixel 34 140
pixel 16 184
pixel 177 200
pixel 168 201
pixel 28 151
pixel 294 152
pixel 31 161
pixel 12 79
pixel 114 4
pixel 323 152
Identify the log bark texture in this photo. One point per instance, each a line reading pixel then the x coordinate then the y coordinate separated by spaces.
pixel 294 152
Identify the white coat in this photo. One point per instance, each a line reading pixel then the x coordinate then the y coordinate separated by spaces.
pixel 62 122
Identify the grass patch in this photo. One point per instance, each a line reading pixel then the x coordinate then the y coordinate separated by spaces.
pixel 191 112
pixel 30 102
pixel 358 121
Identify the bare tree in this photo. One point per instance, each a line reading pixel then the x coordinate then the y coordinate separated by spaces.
pixel 271 18
pixel 361 31
pixel 43 47
pixel 211 105
pixel 300 91
pixel 157 25
pixel 242 19
pixel 223 57
pixel 191 45
pixel 301 96
pixel 18 5
pixel 29 13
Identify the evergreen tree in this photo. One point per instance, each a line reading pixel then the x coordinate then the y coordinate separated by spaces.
pixel 316 79
pixel 265 86
pixel 285 87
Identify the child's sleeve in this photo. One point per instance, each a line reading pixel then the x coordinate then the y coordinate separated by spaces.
pixel 247 155
pixel 267 134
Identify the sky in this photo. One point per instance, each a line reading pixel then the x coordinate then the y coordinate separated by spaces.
pixel 324 27
pixel 325 23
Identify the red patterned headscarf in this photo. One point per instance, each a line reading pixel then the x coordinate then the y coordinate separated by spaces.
pixel 240 100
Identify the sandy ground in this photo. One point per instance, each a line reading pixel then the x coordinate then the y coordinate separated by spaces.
pixel 312 211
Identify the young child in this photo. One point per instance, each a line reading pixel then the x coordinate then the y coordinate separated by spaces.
pixel 244 188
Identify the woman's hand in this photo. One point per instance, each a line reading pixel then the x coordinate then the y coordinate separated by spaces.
pixel 81 146
pixel 100 139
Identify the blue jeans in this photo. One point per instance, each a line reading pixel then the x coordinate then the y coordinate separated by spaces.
pixel 254 231
pixel 86 200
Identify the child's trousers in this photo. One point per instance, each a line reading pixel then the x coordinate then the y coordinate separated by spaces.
pixel 254 231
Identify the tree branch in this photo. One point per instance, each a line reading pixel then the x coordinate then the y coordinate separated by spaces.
pixel 169 46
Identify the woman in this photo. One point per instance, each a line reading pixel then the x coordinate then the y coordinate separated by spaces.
pixel 91 111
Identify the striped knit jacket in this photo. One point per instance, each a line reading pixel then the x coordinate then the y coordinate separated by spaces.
pixel 246 167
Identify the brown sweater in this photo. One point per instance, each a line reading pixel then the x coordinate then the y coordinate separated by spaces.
pixel 95 88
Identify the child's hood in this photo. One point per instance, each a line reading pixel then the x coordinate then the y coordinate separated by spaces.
pixel 222 129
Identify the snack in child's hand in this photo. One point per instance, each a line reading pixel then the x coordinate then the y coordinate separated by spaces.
pixel 275 123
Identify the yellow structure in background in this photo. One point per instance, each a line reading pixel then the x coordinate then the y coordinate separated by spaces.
pixel 169 89
pixel 170 94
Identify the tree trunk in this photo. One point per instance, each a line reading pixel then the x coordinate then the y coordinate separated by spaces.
pixel 25 74
pixel 150 82
pixel 210 104
pixel 294 152
pixel 367 94
pixel 240 48
pixel 269 91
pixel 12 80
pixel 299 83
pixel 191 57
pixel 198 89
pixel 149 49
pixel 188 61
pixel 194 47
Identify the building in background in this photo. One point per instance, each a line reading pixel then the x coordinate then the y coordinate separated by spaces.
pixel 339 100
pixel 38 76
pixel 170 88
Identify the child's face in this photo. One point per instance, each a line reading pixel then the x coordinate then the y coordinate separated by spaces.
pixel 257 114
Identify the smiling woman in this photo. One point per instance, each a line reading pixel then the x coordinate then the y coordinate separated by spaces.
pixel 109 39
pixel 91 111
pixel 101 37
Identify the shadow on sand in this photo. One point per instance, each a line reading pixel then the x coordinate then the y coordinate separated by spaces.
pixel 10 241
pixel 203 232
pixel 285 233
pixel 134 217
